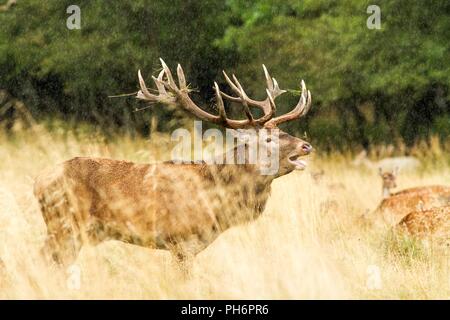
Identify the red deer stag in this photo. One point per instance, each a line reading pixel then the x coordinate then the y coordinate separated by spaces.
pixel 178 207
pixel 395 206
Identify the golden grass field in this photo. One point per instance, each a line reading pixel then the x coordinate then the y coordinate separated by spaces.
pixel 301 248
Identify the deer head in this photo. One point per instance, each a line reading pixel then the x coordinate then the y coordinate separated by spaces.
pixel 290 148
pixel 388 179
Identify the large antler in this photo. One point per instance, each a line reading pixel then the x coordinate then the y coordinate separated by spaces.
pixel 180 95
pixel 302 108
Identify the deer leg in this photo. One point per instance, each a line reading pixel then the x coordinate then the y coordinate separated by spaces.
pixel 63 243
pixel 62 248
pixel 185 251
pixel 49 250
pixel 184 262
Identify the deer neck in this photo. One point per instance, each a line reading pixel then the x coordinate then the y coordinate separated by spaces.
pixel 243 173
pixel 244 186
pixel 386 192
pixel 237 173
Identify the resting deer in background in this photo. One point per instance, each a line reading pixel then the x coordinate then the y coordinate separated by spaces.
pixel 178 207
pixel 387 164
pixel 395 206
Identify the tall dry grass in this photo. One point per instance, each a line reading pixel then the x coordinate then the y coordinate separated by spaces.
pixel 310 243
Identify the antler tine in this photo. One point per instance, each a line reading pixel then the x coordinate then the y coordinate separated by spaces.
pixel 302 107
pixel 276 89
pixel 244 99
pixel 220 105
pixel 241 91
pixel 163 96
pixel 237 87
pixel 306 94
pixel 231 84
pixel 144 94
pixel 272 84
pixel 233 87
pixel 273 106
pixel 231 98
pixel 159 83
pixel 268 78
pixel 308 104
pixel 170 82
pixel 181 78
pixel 246 107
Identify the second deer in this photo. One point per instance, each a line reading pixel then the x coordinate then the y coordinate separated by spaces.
pixel 395 206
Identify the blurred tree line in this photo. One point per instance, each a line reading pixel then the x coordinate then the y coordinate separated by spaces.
pixel 369 86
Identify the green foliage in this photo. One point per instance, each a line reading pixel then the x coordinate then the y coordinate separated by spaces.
pixel 401 72
pixel 368 86
pixel 405 248
pixel 72 72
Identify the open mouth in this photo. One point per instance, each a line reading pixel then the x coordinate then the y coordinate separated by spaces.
pixel 297 162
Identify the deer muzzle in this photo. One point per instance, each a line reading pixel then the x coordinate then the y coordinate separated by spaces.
pixel 296 158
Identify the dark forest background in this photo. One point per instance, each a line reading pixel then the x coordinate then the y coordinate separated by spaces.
pixel 368 86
